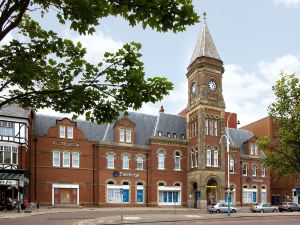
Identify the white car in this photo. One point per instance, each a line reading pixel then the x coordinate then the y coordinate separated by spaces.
pixel 220 207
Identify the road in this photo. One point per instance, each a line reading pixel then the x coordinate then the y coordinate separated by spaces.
pixel 69 218
pixel 278 220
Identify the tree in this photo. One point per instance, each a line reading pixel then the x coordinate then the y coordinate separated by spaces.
pixel 48 71
pixel 285 156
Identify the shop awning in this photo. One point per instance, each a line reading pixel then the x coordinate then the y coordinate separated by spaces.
pixel 15 179
pixel 11 176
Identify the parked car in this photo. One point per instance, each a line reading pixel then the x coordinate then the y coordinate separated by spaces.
pixel 220 207
pixel 263 207
pixel 289 206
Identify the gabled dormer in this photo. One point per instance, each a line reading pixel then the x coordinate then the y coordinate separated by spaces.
pixel 66 129
pixel 124 131
pixel 251 147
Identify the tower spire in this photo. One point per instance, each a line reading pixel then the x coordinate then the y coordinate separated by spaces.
pixel 205 45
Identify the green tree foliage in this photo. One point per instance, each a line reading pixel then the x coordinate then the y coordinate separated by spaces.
pixel 45 70
pixel 285 155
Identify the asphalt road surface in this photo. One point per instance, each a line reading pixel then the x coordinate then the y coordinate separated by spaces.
pixel 272 220
pixel 70 218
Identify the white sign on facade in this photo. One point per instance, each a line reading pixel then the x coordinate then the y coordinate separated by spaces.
pixel 9 182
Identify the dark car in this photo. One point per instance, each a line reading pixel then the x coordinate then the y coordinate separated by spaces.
pixel 289 207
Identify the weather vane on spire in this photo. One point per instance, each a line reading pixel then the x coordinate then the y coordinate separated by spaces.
pixel 204 17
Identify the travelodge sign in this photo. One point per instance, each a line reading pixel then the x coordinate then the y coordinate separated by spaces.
pixel 121 174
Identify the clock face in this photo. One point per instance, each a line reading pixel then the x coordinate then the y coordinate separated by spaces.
pixel 193 88
pixel 212 86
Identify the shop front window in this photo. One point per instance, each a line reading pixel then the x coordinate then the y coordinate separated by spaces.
pixel 249 195
pixel 140 193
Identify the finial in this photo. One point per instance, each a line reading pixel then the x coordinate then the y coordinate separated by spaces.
pixel 204 17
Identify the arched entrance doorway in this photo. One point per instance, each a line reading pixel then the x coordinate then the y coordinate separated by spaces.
pixel 212 191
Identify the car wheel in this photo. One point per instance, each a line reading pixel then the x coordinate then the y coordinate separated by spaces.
pixel 280 210
pixel 218 211
pixel 233 211
pixel 274 210
pixel 261 210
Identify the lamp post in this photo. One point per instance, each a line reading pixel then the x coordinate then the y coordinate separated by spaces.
pixel 228 164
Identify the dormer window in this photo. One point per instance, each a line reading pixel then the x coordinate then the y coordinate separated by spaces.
pixel 125 135
pixel 168 134
pixel 174 135
pixel 253 149
pixel 159 133
pixel 128 135
pixel 62 132
pixel 182 136
pixel 70 132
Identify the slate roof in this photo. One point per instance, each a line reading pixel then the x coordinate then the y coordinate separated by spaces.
pixel 205 46
pixel 168 123
pixel 238 137
pixel 14 110
pixel 145 126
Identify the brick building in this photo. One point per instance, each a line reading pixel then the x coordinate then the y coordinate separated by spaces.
pixel 283 188
pixel 152 160
pixel 15 125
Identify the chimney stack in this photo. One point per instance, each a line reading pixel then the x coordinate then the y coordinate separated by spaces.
pixel 162 110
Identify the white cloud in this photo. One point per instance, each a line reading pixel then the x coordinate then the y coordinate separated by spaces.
pixel 287 64
pixel 96 45
pixel 287 3
pixel 250 94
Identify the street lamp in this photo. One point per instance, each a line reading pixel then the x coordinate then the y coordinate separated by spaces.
pixel 228 163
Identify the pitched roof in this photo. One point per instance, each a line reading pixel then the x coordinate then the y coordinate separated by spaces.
pixel 205 46
pixel 238 137
pixel 173 124
pixel 144 129
pixel 14 110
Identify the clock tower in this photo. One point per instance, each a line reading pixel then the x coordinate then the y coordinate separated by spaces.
pixel 205 123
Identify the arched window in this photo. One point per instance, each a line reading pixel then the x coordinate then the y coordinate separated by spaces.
pixel 139 162
pixel 125 159
pixel 208 156
pixel 245 170
pixel 231 165
pixel 139 183
pixel 254 170
pixel 125 183
pixel 110 161
pixel 216 157
pixel 110 182
pixel 161 184
pixel 161 160
pixel 177 160
pixel 177 184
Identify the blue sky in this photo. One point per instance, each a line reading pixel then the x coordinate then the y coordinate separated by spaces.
pixel 256 40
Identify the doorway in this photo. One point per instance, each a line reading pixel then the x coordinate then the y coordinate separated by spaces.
pixel 212 192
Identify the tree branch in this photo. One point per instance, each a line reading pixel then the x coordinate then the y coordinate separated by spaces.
pixel 20 6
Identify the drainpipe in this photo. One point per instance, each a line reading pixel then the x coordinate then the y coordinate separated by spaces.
pixel 241 182
pixel 147 186
pixel 93 174
pixel 35 173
